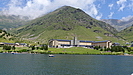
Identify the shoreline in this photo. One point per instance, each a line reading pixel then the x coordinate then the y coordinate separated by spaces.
pixel 70 51
pixel 64 53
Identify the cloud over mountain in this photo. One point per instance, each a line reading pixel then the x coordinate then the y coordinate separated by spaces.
pixel 36 8
pixel 98 9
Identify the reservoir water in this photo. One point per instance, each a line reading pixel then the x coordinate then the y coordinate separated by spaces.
pixel 41 64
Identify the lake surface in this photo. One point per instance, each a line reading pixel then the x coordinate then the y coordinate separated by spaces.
pixel 41 64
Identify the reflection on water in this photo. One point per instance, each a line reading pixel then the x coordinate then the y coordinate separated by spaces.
pixel 41 64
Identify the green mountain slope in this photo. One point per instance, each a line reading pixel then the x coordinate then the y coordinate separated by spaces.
pixel 65 23
pixel 127 33
pixel 7 22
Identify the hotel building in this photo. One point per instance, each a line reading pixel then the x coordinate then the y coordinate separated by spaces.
pixel 78 43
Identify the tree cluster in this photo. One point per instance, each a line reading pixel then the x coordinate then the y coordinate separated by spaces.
pixel 117 49
pixel 97 47
pixel 114 48
pixel 6 47
pixel 43 47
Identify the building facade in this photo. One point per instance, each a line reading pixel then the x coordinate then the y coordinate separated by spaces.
pixel 13 44
pixel 78 43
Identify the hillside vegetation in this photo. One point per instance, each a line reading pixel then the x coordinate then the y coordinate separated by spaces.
pixel 65 23
pixel 6 37
pixel 127 33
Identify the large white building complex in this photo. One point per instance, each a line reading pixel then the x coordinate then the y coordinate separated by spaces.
pixel 78 43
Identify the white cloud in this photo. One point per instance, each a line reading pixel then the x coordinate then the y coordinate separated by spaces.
pixel 99 5
pixel 121 2
pixel 99 16
pixel 35 8
pixel 122 5
pixel 127 18
pixel 131 6
pixel 102 1
pixel 111 14
pixel 110 6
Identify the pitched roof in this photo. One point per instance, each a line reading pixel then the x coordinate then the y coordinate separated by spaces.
pixel 100 41
pixel 61 40
pixel 9 43
pixel 82 41
pixel 86 41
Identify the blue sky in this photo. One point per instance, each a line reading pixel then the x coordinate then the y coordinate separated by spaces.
pixel 116 9
pixel 99 9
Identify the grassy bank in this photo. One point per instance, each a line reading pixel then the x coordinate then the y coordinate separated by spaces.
pixel 73 50
pixel 80 50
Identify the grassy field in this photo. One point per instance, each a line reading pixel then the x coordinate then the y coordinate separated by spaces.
pixel 73 50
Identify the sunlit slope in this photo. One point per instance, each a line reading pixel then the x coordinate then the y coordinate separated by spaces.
pixel 65 23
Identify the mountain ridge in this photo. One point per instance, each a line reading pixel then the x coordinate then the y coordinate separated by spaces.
pixel 8 22
pixel 119 24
